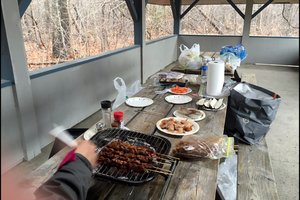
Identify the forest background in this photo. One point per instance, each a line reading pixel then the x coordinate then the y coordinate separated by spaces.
pixel 62 30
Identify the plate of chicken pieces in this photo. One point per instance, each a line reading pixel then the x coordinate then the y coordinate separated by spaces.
pixel 177 126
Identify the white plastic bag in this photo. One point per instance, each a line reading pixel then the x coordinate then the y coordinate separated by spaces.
pixel 121 88
pixel 190 58
pixel 185 56
pixel 227 177
pixel 124 92
pixel 196 50
pixel 194 63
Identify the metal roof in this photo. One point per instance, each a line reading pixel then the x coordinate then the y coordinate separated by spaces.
pixel 218 2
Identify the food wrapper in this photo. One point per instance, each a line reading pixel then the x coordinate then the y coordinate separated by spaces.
pixel 232 56
pixel 212 147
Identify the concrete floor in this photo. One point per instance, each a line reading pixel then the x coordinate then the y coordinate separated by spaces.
pixel 282 139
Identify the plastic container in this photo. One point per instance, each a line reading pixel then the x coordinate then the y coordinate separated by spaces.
pixel 118 120
pixel 106 113
pixel 204 72
pixel 203 80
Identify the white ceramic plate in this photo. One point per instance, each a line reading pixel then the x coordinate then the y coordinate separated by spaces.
pixel 178 114
pixel 194 130
pixel 139 102
pixel 189 91
pixel 178 99
pixel 203 107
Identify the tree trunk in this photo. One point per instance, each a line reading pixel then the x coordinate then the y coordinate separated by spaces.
pixel 61 33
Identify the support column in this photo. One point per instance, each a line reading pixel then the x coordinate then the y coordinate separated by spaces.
pixel 176 10
pixel 23 91
pixel 139 31
pixel 247 22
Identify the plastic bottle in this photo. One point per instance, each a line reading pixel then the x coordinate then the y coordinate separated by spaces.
pixel 118 120
pixel 106 113
pixel 203 81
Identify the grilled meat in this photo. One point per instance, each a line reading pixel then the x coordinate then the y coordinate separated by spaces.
pixel 127 157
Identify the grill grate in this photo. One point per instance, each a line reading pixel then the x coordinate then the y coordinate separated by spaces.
pixel 159 144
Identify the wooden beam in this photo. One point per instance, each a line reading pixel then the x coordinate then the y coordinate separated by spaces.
pixel 139 30
pixel 176 10
pixel 189 8
pixel 173 8
pixel 23 5
pixel 236 8
pixel 132 10
pixel 247 23
pixel 261 8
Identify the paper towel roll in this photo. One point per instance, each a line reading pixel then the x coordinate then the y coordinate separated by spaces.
pixel 215 77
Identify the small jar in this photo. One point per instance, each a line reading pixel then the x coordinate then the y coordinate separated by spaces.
pixel 106 113
pixel 118 120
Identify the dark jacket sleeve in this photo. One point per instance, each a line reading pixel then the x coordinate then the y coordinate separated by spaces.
pixel 71 181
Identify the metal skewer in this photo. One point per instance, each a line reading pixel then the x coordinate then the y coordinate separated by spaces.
pixel 170 174
pixel 161 169
pixel 168 156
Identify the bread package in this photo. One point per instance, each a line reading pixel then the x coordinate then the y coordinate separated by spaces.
pixel 212 146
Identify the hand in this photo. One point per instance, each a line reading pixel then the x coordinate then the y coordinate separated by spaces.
pixel 88 150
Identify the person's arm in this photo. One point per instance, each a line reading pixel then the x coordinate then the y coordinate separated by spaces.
pixel 72 180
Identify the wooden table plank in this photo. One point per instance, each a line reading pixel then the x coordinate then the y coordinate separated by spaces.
pixel 255 175
pixel 147 119
pixel 194 181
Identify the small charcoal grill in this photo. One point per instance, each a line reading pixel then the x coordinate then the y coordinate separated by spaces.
pixel 157 143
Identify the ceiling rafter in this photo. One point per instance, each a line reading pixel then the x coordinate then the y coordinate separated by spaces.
pixel 23 5
pixel 132 9
pixel 189 8
pixel 261 8
pixel 236 8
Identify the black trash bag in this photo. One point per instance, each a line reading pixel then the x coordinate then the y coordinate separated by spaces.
pixel 251 110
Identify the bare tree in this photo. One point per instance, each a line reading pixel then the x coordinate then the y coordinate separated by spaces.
pixel 60 30
pixel 61 33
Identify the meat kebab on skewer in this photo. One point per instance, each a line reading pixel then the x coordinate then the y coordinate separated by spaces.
pixel 128 157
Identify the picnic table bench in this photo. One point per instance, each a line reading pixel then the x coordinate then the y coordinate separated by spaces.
pixel 255 174
pixel 191 180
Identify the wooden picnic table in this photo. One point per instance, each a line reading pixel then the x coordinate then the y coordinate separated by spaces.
pixel 194 180
pixel 191 180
